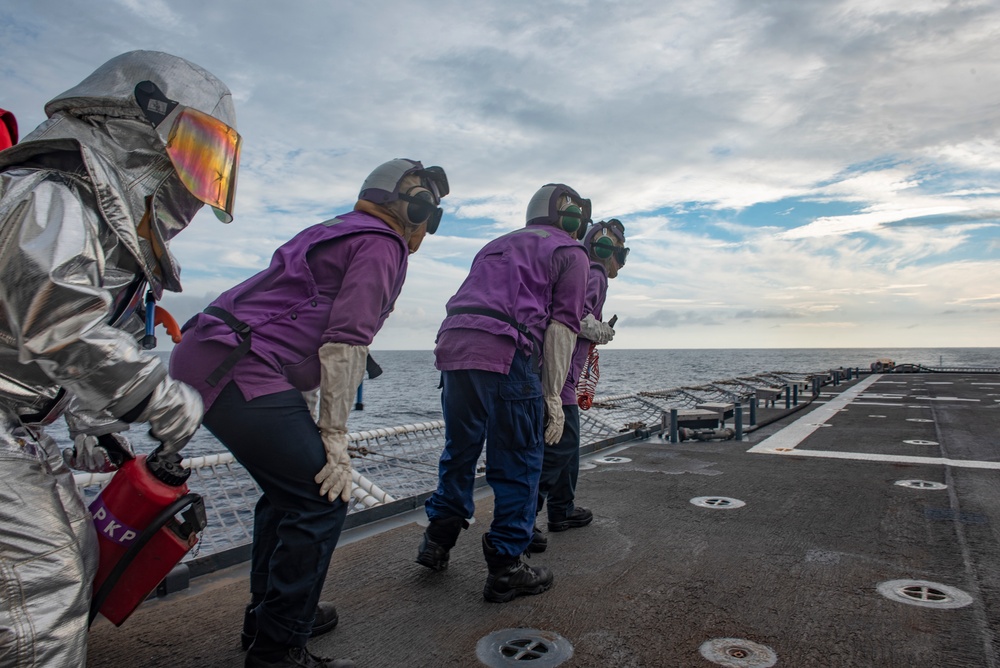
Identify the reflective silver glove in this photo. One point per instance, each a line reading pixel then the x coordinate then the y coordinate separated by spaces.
pixel 556 355
pixel 594 330
pixel 174 413
pixel 342 367
pixel 98 454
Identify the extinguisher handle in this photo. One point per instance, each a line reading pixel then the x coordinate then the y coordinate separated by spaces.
pixel 118 452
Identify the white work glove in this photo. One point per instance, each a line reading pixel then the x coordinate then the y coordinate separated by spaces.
pixel 98 454
pixel 174 413
pixel 594 330
pixel 557 352
pixel 342 367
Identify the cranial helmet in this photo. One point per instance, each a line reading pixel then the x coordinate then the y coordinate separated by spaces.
pixel 605 239
pixel 560 206
pixel 422 191
pixel 190 109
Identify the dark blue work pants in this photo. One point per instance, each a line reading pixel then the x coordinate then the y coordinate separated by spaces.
pixel 295 529
pixel 561 469
pixel 506 412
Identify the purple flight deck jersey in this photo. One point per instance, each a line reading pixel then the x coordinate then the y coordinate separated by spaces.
pixel 534 275
pixel 336 281
pixel 597 292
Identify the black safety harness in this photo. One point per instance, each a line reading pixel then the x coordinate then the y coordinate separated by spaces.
pixel 243 331
pixel 536 345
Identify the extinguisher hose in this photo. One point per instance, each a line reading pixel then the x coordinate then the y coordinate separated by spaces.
pixel 145 536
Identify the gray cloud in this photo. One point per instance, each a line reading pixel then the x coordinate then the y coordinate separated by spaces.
pixel 886 108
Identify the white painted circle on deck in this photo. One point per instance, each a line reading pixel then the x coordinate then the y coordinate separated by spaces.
pixel 917 441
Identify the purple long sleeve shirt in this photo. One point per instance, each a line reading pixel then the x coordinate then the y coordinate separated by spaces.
pixel 534 275
pixel 333 282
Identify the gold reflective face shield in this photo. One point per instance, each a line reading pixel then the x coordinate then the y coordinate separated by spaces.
pixel 205 153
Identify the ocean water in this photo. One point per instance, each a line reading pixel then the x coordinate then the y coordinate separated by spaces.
pixel 407 391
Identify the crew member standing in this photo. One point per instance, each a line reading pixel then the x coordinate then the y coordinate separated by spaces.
pixel 605 243
pixel 304 322
pixel 519 307
pixel 88 204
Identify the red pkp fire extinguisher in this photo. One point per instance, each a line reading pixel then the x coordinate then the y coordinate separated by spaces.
pixel 139 536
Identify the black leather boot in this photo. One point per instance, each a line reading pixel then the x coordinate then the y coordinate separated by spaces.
pixel 326 620
pixel 538 541
pixel 510 577
pixel 439 537
pixel 579 517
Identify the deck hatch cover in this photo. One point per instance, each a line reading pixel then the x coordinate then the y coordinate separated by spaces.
pixel 611 460
pixel 738 653
pixel 516 647
pixel 921 484
pixel 717 502
pixel 924 594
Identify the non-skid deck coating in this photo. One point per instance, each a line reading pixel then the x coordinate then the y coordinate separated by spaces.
pixel 796 569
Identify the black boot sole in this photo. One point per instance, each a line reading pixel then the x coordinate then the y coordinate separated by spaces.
pixel 510 595
pixel 431 563
pixel 569 524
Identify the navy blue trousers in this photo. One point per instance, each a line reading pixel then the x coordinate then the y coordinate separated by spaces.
pixel 506 412
pixel 561 469
pixel 295 529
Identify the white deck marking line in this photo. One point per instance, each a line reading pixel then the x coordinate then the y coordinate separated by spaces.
pixel 944 399
pixel 877 403
pixel 902 459
pixel 798 431
pixel 791 436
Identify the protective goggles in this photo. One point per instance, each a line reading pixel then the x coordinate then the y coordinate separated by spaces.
pixel 204 151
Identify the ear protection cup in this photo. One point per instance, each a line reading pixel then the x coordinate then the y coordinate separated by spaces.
pixel 603 248
pixel 421 209
pixel 570 218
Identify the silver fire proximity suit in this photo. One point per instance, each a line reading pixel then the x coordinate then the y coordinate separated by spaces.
pixel 88 204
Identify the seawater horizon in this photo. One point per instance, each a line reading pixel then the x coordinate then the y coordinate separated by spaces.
pixel 407 391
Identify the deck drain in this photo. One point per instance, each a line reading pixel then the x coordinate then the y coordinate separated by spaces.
pixel 738 653
pixel 514 647
pixel 917 441
pixel 921 484
pixel 718 502
pixel 611 460
pixel 925 594
pixel 918 420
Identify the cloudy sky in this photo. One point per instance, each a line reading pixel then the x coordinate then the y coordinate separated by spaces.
pixel 791 173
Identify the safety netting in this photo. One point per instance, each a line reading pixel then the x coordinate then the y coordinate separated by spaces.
pixel 400 462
